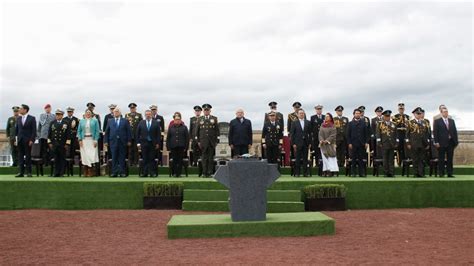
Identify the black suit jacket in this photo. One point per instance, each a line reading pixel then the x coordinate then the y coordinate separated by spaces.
pixel 143 133
pixel 26 132
pixel 300 136
pixel 240 133
pixel 442 134
pixel 358 133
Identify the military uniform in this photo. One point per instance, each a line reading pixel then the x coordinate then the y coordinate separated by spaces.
pixel 73 123
pixel 340 123
pixel 417 136
pixel 387 142
pixel 10 130
pixel 207 133
pixel 133 119
pixel 161 122
pixel 316 122
pixel 291 118
pixel 272 137
pixel 401 122
pixel 58 137
pixel 374 148
pixel 279 116
pixel 195 150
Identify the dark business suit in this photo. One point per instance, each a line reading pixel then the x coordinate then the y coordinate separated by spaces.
pixel 447 138
pixel 358 136
pixel 177 142
pixel 148 136
pixel 301 137
pixel 117 138
pixel 240 135
pixel 25 132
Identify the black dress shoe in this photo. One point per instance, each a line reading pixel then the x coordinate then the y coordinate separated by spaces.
pixel 19 175
pixel 113 176
pixel 450 176
pixel 122 175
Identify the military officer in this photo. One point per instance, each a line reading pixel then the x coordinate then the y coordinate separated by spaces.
pixel 91 107
pixel 272 138
pixel 374 148
pixel 279 116
pixel 418 141
pixel 387 141
pixel 10 130
pixel 109 115
pixel 316 122
pixel 133 118
pixel 428 126
pixel 193 122
pixel 58 140
pixel 161 122
pixel 73 123
pixel 401 122
pixel 207 132
pixel 340 123
pixel 293 116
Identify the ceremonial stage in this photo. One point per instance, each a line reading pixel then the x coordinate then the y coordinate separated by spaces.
pixel 206 194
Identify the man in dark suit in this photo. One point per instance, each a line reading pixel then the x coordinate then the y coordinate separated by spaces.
pixel 118 136
pixel 148 140
pixel 240 134
pixel 59 139
pixel 301 141
pixel 446 140
pixel 358 139
pixel 316 122
pixel 25 132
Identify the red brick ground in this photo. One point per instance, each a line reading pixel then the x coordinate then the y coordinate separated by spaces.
pixel 404 236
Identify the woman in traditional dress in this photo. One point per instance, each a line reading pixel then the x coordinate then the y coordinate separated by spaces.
pixel 327 144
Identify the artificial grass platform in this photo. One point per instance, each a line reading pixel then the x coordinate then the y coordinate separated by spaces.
pixel 277 224
pixel 223 206
pixel 223 195
pixel 127 193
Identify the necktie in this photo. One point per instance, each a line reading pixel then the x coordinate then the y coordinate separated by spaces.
pixel 447 123
pixel 148 125
pixel 117 121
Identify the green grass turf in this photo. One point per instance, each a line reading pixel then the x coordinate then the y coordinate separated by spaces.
pixel 277 224
pixel 127 193
pixel 223 206
pixel 223 195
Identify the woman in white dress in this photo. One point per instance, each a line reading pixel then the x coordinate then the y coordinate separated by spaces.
pixel 88 134
pixel 327 143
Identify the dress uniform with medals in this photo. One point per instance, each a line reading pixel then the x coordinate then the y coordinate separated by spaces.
pixel 418 141
pixel 387 142
pixel 340 123
pixel 272 138
pixel 133 119
pixel 161 122
pixel 374 149
pixel 207 132
pixel 401 122
pixel 279 116
pixel 10 130
pixel 193 122
pixel 58 139
pixel 73 123
pixel 316 122
pixel 109 115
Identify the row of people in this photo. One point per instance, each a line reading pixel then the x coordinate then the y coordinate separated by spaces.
pixel 204 133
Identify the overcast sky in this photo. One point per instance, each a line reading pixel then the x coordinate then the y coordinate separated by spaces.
pixel 177 55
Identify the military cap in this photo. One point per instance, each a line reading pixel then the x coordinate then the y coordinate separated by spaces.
pixel 197 108
pixel 361 108
pixel 318 106
pixel 112 106
pixel 339 108
pixel 401 105
pixel 422 110
pixel 387 113
pixel 70 109
pixel 379 109
pixel 418 110
pixel 47 106
pixel 271 113
pixel 132 105
pixel 206 106
pixel 297 104
pixel 15 108
pixel 153 107
pixel 59 111
pixel 90 105
pixel 271 104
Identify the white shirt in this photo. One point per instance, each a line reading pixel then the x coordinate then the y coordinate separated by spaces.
pixel 23 119
pixel 302 123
